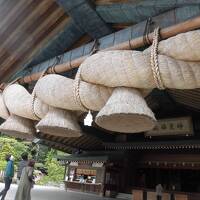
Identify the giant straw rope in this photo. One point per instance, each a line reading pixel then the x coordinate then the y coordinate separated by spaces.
pixel 172 63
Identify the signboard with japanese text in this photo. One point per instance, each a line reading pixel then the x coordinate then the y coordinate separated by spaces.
pixel 172 126
pixel 88 172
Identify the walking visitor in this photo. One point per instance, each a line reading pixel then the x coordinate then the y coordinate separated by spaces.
pixel 9 173
pixel 26 182
pixel 23 163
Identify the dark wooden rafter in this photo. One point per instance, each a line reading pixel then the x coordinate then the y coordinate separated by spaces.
pixel 85 16
pixel 69 142
pixel 56 145
pixel 53 141
pixel 159 145
pixel 79 141
pixel 22 30
pixel 17 47
pixel 28 51
pixel 84 142
pixel 189 98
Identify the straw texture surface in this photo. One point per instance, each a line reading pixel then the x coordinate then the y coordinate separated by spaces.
pixel 40 108
pixel 60 122
pixel 94 97
pixel 179 65
pixel 19 101
pixel 184 46
pixel 3 110
pixel 18 127
pixel 133 69
pixel 126 111
pixel 58 91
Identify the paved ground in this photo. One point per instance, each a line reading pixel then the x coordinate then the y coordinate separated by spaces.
pixel 52 193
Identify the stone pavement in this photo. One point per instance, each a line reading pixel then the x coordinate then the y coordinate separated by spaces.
pixel 52 193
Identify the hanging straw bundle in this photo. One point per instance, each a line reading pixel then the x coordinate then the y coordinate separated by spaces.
pixel 59 122
pixel 19 101
pixel 126 111
pixel 58 91
pixel 118 71
pixel 18 127
pixel 3 110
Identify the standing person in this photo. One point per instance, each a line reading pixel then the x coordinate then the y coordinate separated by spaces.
pixel 159 191
pixel 172 197
pixel 23 163
pixel 26 182
pixel 9 173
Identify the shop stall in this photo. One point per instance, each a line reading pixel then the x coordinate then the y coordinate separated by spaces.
pixel 92 174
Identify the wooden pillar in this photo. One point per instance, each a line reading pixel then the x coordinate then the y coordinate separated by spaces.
pixel 103 181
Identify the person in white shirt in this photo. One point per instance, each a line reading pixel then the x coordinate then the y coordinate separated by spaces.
pixel 159 191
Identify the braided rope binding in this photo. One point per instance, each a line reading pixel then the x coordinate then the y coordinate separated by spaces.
pixel 33 103
pixel 34 97
pixel 77 81
pixel 76 94
pixel 154 60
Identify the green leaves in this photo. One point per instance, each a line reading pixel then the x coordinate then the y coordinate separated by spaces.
pixel 55 170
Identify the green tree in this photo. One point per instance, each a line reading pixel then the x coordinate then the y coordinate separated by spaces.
pixel 55 170
pixel 10 146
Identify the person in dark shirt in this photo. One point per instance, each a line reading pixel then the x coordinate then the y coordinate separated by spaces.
pixel 9 173
pixel 23 163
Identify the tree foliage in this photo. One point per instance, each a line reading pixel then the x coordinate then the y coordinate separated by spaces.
pixel 55 170
pixel 44 156
pixel 10 146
